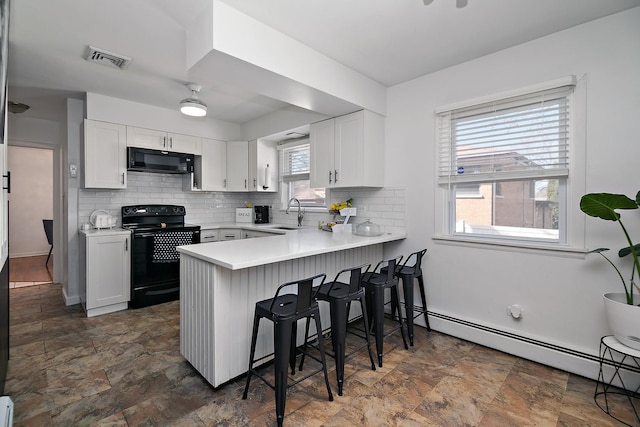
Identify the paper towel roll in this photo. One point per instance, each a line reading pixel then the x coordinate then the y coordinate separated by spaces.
pixel 267 177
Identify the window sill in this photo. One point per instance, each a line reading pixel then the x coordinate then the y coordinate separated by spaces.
pixel 506 245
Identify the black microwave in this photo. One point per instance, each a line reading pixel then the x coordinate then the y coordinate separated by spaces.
pixel 146 160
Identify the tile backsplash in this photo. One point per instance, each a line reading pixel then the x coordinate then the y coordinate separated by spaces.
pixel 385 206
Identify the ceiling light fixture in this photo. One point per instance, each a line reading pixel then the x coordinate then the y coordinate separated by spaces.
pixel 17 107
pixel 192 106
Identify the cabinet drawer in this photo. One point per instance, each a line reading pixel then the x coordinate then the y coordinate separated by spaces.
pixel 229 234
pixel 208 236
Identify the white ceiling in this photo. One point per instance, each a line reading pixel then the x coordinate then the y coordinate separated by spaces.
pixel 390 41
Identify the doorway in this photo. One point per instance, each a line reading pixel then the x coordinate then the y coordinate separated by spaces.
pixel 30 202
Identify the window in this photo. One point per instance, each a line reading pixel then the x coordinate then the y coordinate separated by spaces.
pixel 504 164
pixel 294 175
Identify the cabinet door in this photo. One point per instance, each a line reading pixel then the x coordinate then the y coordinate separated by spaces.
pixel 108 270
pixel 147 138
pixel 349 150
pixel 322 136
pixel 238 166
pixel 105 155
pixel 213 165
pixel 263 166
pixel 184 143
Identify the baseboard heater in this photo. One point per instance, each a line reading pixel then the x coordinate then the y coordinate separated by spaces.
pixel 527 340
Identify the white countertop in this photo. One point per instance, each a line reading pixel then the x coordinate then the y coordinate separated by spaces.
pixel 104 231
pixel 244 253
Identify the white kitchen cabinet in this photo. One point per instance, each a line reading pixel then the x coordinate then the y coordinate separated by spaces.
pixel 238 166
pixel 348 151
pixel 105 264
pixel 261 154
pixel 211 167
pixel 105 155
pixel 229 234
pixel 160 140
pixel 209 236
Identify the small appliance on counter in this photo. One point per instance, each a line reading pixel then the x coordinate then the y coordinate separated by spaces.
pixel 261 214
pixel 101 219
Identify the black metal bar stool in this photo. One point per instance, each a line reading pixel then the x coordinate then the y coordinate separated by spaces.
pixel 284 310
pixel 408 274
pixel 375 283
pixel 339 296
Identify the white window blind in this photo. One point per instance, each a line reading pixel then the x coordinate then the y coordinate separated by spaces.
pixel 294 162
pixel 525 136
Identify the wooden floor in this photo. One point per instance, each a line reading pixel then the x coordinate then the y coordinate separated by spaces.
pixel 28 271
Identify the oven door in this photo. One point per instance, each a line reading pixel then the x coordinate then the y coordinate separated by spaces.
pixel 155 265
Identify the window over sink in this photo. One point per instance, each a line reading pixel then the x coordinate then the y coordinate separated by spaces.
pixel 295 162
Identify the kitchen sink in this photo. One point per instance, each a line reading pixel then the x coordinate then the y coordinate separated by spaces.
pixel 284 227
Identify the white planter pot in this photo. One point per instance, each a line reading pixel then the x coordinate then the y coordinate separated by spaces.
pixel 623 319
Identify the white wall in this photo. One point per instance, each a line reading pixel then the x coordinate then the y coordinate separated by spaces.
pixel 561 295
pixel 31 200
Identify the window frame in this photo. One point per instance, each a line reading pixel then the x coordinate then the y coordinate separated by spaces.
pixel 285 183
pixel 571 223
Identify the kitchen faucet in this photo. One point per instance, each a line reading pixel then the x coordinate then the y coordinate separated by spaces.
pixel 300 211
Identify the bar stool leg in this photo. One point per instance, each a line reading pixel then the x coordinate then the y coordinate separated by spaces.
pixel 395 303
pixel 292 349
pixel 338 311
pixel 282 342
pixel 366 328
pixel 423 296
pixel 378 320
pixel 407 288
pixel 252 352
pixel 322 355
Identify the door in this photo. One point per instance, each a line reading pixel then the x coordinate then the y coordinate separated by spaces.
pixel 4 207
pixel 237 166
pixel 322 139
pixel 213 165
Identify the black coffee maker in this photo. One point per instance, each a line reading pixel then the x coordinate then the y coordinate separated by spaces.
pixel 261 214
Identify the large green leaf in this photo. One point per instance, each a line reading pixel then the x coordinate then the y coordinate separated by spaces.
pixel 626 251
pixel 603 205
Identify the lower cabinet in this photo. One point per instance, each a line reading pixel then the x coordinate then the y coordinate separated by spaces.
pixel 208 236
pixel 105 270
pixel 229 234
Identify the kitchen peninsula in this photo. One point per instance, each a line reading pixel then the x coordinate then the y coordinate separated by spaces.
pixel 221 282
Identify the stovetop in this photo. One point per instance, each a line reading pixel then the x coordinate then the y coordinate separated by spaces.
pixel 154 217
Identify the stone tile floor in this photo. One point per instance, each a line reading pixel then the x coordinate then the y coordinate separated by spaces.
pixel 125 369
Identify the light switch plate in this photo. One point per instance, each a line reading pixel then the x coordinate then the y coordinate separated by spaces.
pixel 73 171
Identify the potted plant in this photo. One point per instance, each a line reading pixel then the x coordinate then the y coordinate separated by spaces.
pixel 623 313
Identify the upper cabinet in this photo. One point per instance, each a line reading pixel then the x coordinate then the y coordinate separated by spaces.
pixel 237 166
pixel 348 151
pixel 263 166
pixel 211 167
pixel 159 140
pixel 105 155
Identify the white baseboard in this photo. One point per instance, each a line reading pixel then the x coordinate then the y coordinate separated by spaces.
pixel 70 300
pixel 28 254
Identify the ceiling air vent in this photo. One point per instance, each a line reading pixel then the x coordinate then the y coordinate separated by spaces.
pixel 110 59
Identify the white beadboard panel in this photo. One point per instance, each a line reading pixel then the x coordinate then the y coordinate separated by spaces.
pixel 217 307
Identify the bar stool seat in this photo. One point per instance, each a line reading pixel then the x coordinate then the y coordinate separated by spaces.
pixel 375 283
pixel 284 310
pixel 408 274
pixel 339 295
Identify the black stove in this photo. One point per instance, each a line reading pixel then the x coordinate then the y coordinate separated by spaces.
pixel 155 264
